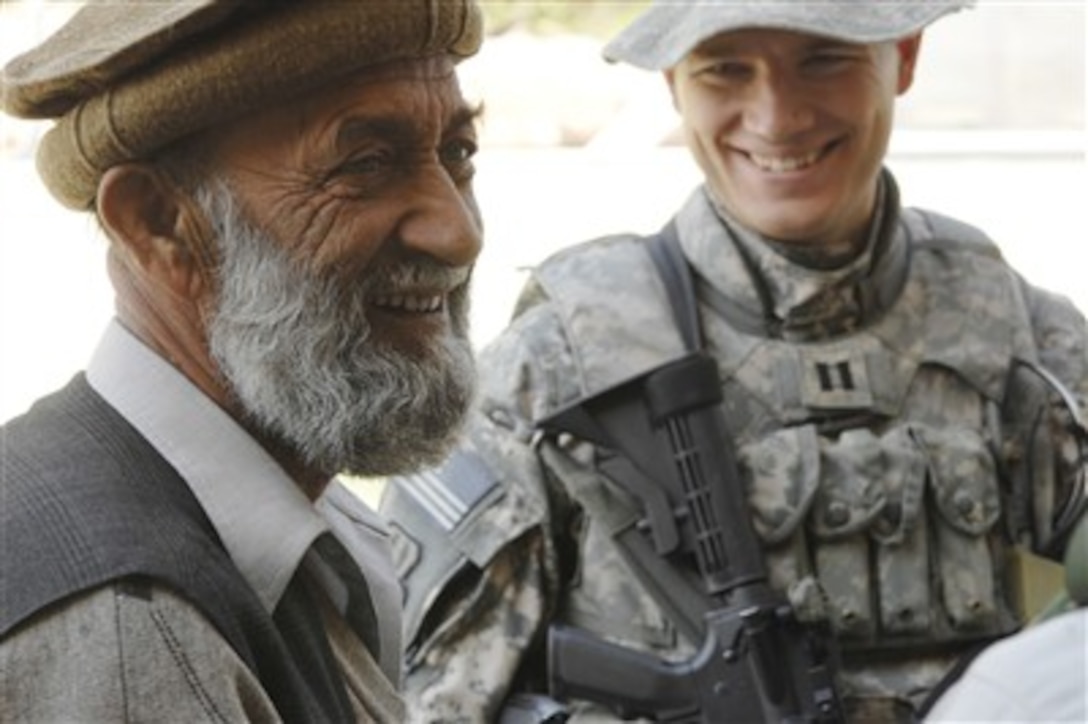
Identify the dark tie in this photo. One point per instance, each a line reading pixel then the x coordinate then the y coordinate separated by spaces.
pixel 359 613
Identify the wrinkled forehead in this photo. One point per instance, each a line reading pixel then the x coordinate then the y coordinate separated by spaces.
pixel 385 85
pixel 402 88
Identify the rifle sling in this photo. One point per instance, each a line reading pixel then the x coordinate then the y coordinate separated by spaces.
pixel 675 274
pixel 682 599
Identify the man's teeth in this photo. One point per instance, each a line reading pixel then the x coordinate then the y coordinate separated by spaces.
pixel 782 164
pixel 409 303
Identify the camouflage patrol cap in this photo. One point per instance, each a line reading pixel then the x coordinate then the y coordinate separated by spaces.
pixel 670 29
pixel 125 79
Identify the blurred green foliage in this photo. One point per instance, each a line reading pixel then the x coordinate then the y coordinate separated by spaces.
pixel 598 18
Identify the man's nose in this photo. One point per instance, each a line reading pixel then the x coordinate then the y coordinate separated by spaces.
pixel 443 221
pixel 776 108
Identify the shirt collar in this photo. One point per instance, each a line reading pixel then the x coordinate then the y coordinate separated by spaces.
pixel 790 284
pixel 265 522
pixel 756 277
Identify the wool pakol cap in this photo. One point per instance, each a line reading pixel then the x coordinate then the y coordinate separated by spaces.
pixel 125 79
pixel 670 29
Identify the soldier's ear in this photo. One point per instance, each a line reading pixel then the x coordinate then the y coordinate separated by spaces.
pixel 907 49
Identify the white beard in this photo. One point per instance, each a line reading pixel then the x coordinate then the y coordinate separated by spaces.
pixel 296 351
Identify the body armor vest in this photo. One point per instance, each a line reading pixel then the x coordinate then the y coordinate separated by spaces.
pixel 874 457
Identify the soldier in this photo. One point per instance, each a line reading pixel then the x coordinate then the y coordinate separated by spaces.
pixel 903 405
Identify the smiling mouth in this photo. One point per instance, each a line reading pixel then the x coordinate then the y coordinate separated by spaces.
pixel 415 303
pixel 787 164
pixel 420 289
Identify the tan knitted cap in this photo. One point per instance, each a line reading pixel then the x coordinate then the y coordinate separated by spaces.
pixel 124 79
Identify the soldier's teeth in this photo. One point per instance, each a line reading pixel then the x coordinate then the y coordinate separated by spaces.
pixel 783 164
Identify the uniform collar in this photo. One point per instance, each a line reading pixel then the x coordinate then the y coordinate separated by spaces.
pixel 761 290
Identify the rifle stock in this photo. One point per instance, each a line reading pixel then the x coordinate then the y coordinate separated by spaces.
pixel 756 662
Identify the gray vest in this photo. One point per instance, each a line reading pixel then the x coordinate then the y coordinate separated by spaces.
pixel 88 502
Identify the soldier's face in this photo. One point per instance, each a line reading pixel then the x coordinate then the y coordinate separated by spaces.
pixel 791 130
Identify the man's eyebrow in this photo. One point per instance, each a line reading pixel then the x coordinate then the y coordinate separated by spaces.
pixel 398 127
pixel 831 44
pixel 466 115
pixel 362 128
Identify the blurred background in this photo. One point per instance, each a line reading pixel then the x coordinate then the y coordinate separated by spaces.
pixel 993 132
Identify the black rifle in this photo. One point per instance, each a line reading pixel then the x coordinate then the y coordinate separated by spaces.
pixel 665 441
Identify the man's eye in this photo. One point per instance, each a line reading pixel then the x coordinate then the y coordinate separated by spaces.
pixel 368 164
pixel 724 70
pixel 826 62
pixel 730 68
pixel 459 151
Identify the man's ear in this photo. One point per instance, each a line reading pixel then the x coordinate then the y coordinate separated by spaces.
pixel 907 49
pixel 148 217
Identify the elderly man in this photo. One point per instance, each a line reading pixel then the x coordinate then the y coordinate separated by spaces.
pixel 287 191
pixel 902 407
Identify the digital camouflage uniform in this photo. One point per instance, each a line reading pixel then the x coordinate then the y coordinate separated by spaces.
pixel 887 437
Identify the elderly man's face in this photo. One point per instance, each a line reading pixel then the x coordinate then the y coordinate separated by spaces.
pixel 791 129
pixel 348 234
